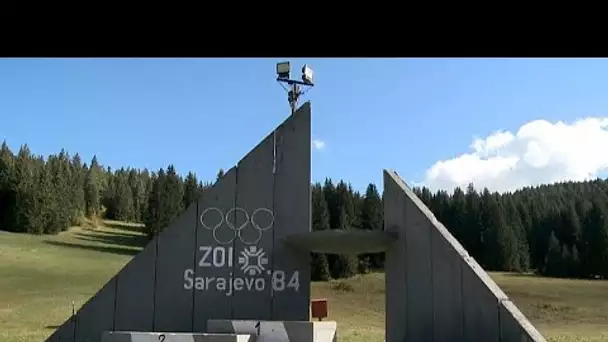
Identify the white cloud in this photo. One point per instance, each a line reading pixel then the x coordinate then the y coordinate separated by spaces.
pixel 318 144
pixel 539 152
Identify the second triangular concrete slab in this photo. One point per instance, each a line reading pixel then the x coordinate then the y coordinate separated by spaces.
pixel 434 290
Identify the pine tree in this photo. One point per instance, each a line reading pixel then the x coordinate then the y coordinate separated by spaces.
pixel 472 236
pixel 220 174
pixel 8 192
pixel 595 238
pixel 109 196
pixel 345 266
pixel 458 215
pixel 173 195
pixel 49 193
pixel 372 219
pixel 572 225
pixel 191 190
pixel 77 181
pixel 329 191
pixel 148 190
pixel 26 204
pixel 123 199
pixel 357 203
pixel 575 263
pixel 92 191
pixel 371 212
pixel 51 220
pixel 319 267
pixel 58 171
pixel 553 265
pixel 138 193
pixel 521 255
pixel 566 259
pixel 341 216
pixel 440 205
pixel 154 212
pixel 526 219
pixel 491 218
pixel 320 211
pixel 539 235
pixel 426 196
pixel 508 249
pixel 320 221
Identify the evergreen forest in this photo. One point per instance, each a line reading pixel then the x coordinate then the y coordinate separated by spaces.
pixel 557 230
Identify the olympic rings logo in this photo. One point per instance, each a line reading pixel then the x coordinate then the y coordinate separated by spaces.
pixel 236 231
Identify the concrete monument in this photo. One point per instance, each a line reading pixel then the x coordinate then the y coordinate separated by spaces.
pixel 236 266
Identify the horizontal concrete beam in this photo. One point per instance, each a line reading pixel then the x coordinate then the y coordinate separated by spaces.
pixel 336 241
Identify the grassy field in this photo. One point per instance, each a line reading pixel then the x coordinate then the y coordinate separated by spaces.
pixel 40 276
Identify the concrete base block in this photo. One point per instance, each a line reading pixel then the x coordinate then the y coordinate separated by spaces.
pixel 128 336
pixel 325 331
pixel 277 331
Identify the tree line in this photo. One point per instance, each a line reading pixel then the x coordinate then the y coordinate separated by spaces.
pixel 49 196
pixel 558 230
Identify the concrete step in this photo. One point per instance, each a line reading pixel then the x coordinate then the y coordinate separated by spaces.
pixel 277 331
pixel 132 336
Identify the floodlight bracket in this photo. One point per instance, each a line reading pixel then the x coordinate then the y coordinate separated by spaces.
pixel 295 91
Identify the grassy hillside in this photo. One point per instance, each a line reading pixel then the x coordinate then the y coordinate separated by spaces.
pixel 40 276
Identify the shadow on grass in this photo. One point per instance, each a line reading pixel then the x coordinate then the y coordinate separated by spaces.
pixel 96 248
pixel 114 238
pixel 52 327
pixel 108 232
pixel 520 275
pixel 124 226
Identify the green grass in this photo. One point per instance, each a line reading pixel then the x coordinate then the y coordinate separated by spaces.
pixel 40 276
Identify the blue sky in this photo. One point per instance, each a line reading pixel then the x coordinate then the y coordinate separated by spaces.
pixel 205 114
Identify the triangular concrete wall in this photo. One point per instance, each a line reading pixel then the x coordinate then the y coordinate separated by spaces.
pixel 434 290
pixel 178 281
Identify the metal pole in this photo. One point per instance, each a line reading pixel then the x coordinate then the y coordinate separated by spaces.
pixel 294 94
pixel 290 98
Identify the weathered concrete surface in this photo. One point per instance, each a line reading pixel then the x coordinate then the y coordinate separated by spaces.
pixel 213 303
pixel 173 303
pixel 97 314
pixel 292 215
pixel 135 293
pixel 65 333
pixel 197 268
pixel 255 190
pixel 435 291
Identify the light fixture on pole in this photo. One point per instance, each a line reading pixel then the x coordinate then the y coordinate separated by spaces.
pixel 295 91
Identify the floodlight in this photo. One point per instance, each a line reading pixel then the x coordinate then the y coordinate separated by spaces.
pixel 307 74
pixel 295 86
pixel 283 70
